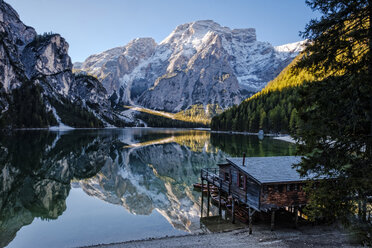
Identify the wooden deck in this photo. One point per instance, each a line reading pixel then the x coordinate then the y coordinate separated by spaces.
pixel 211 176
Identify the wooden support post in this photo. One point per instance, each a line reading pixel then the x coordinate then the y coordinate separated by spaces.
pixel 364 210
pixel 230 180
pixel 208 198
pixel 202 196
pixel 272 219
pixel 250 220
pixel 219 202
pixel 296 216
pixel 233 211
pixel 359 210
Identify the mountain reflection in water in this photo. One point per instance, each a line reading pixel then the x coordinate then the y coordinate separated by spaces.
pixel 140 169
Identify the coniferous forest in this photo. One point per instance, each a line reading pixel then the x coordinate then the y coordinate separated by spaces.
pixel 324 99
pixel 273 110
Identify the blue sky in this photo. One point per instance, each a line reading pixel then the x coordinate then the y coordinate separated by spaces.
pixel 92 26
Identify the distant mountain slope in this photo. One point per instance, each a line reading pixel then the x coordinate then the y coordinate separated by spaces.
pixel 272 109
pixel 199 63
pixel 287 78
pixel 37 85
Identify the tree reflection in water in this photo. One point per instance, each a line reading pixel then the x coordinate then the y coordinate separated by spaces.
pixel 141 169
pixel 36 169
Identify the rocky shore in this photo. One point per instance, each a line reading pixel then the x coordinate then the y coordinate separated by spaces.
pixel 308 236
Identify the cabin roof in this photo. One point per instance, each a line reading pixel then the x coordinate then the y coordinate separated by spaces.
pixel 270 169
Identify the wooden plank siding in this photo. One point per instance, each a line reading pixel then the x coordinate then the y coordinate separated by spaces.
pixel 282 195
pixel 253 194
pixel 249 193
pixel 264 184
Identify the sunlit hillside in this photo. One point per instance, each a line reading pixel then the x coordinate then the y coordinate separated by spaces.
pixel 272 109
pixel 287 78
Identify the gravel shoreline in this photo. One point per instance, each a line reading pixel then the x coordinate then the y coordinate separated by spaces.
pixel 317 236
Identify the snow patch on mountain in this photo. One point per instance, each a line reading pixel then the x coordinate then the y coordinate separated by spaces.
pixel 198 63
pixel 295 47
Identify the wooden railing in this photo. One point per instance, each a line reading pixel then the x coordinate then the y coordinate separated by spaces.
pixel 211 175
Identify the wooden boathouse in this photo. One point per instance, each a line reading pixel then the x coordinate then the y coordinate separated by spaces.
pixel 258 184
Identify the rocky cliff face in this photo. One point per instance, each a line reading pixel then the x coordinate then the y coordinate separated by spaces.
pixel 198 63
pixel 46 58
pixel 110 66
pixel 14 35
pixel 36 70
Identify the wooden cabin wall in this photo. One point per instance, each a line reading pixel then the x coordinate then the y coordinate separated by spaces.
pixel 253 193
pixel 249 194
pixel 279 196
pixel 222 170
pixel 234 180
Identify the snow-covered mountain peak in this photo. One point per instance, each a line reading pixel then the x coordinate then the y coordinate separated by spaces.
pixel 294 47
pixel 290 50
pixel 195 32
pixel 200 62
pixel 140 46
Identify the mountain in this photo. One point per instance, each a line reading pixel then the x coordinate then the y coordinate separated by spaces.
pixel 199 69
pixel 199 63
pixel 273 109
pixel 37 85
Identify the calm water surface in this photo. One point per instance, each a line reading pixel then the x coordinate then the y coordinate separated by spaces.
pixel 82 187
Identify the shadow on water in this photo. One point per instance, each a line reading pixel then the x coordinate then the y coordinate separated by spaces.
pixel 141 170
pixel 36 169
pixel 234 145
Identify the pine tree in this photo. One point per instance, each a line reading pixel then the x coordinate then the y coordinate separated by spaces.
pixel 293 121
pixel 336 112
pixel 263 120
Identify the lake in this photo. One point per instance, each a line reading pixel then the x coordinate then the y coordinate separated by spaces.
pixel 84 187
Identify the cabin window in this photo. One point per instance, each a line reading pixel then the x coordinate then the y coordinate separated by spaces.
pixel 295 188
pixel 265 189
pixel 227 177
pixel 291 187
pixel 276 189
pixel 281 188
pixel 241 181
